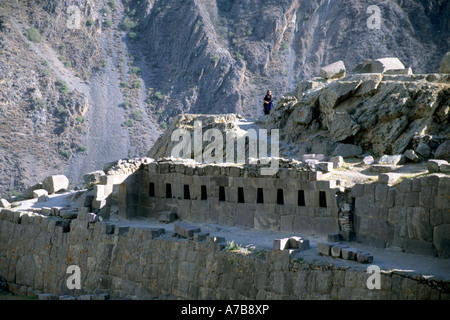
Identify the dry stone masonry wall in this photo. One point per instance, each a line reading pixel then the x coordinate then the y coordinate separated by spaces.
pixel 126 262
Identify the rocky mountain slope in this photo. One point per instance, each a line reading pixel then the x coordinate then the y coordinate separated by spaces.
pixel 75 94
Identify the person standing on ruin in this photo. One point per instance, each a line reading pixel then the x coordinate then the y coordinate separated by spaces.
pixel 268 102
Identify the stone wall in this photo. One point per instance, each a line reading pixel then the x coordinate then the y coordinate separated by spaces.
pixel 276 207
pixel 36 250
pixel 413 214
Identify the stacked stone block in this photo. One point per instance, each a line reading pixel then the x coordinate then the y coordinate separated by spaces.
pixel 130 263
pixel 240 206
pixel 410 213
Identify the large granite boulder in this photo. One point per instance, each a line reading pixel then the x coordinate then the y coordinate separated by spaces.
pixel 55 183
pixel 335 70
pixel 443 151
pixel 379 65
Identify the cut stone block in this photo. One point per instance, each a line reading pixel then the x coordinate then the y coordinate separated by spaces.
pixel 167 216
pixel 186 230
pixel 4 204
pixel 390 159
pixel 39 192
pixel 363 257
pixel 200 236
pixel 281 244
pixel 28 193
pixel 382 168
pixel 325 166
pixel 388 178
pixel 433 165
pixel 324 248
pixel 444 168
pixel 349 253
pixel 334 70
pixel 55 183
pixel 337 161
pixel 68 214
pixel 334 237
pixel 298 243
pixel 43 198
pixel 46 211
pixel 379 65
pixel 336 250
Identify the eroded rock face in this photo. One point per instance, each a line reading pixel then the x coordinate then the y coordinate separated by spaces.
pixel 383 114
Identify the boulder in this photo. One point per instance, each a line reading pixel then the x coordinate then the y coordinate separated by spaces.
pixel 379 65
pixel 443 151
pixel 368 159
pixel 4 204
pixel 28 193
pixel 39 192
pixel 343 126
pixel 347 150
pixel 335 70
pixel 337 161
pixel 445 63
pixel 93 178
pixel 411 155
pixel 369 82
pixel 391 159
pixel 433 165
pixel 423 149
pixel 303 114
pixel 55 183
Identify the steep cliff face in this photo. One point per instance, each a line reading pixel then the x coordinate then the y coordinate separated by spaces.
pixel 74 98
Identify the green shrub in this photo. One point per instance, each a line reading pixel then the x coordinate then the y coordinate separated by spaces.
pixel 66 153
pixel 125 84
pixel 63 87
pixel 108 23
pixel 129 123
pixel 45 63
pixel 126 104
pixel 137 115
pixel 41 103
pixel 67 64
pixel 33 35
pixel 80 119
pixel 90 22
pixel 106 10
pixel 136 70
pixel 284 46
pixel 132 36
pixel 215 58
pixel 82 148
pixel 164 125
pixel 104 63
pixel 136 84
pixel 128 24
pixel 159 95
